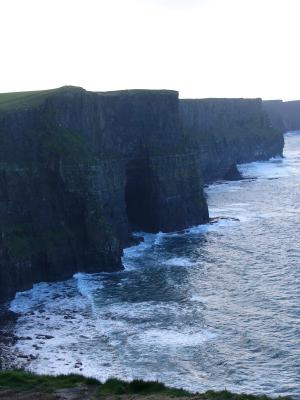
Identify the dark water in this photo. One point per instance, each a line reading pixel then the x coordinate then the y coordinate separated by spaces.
pixel 215 306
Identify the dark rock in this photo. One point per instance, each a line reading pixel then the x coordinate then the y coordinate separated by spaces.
pixel 22 356
pixel 24 338
pixel 79 171
pixel 134 240
pixel 218 219
pixel 233 174
pixel 69 317
pixel 225 132
pixel 44 337
pixel 284 115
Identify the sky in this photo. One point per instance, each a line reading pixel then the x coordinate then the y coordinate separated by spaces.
pixel 202 48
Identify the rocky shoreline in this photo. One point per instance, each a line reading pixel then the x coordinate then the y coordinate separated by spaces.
pixel 7 337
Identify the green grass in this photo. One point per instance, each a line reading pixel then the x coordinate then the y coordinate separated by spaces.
pixel 117 387
pixel 17 100
pixel 26 381
pixel 22 99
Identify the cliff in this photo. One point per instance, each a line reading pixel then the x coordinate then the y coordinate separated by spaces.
pixel 226 132
pixel 285 116
pixel 79 171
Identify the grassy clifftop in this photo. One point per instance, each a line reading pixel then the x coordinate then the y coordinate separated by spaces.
pixel 21 99
pixel 19 384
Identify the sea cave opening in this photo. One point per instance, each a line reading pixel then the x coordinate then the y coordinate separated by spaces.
pixel 140 196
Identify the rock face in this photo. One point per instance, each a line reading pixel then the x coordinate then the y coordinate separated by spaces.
pixel 285 116
pixel 79 171
pixel 225 132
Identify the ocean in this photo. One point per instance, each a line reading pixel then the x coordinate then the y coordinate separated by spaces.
pixel 212 307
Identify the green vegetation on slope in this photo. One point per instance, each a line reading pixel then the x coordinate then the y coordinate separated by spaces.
pixel 25 381
pixel 22 381
pixel 17 100
pixel 22 99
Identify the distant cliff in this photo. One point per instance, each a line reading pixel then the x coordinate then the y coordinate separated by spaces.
pixel 79 171
pixel 285 116
pixel 225 132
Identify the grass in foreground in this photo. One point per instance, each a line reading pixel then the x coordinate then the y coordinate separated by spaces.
pixel 25 381
pixel 19 380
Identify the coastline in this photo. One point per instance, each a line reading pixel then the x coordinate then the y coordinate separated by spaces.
pixel 7 336
pixel 8 322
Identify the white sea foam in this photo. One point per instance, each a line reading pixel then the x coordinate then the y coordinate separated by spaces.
pixel 134 252
pixel 292 133
pixel 169 337
pixel 87 284
pixel 274 168
pixel 200 299
pixel 179 262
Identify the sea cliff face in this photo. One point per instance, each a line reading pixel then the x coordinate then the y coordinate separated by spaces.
pixel 285 116
pixel 79 171
pixel 226 132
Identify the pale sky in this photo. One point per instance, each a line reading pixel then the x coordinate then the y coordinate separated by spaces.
pixel 202 48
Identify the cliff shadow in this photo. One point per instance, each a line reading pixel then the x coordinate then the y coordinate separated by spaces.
pixel 141 196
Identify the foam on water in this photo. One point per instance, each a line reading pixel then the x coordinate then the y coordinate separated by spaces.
pixel 179 262
pixel 131 254
pixel 209 307
pixel 170 338
pixel 274 168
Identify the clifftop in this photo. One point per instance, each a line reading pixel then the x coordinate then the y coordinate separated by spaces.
pixel 19 100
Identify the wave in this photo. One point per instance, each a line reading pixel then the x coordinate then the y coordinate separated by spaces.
pixel 179 262
pixel 172 338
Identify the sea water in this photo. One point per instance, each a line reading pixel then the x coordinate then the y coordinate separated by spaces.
pixel 212 307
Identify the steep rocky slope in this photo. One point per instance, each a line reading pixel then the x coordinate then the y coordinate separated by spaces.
pixel 285 116
pixel 225 132
pixel 80 170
